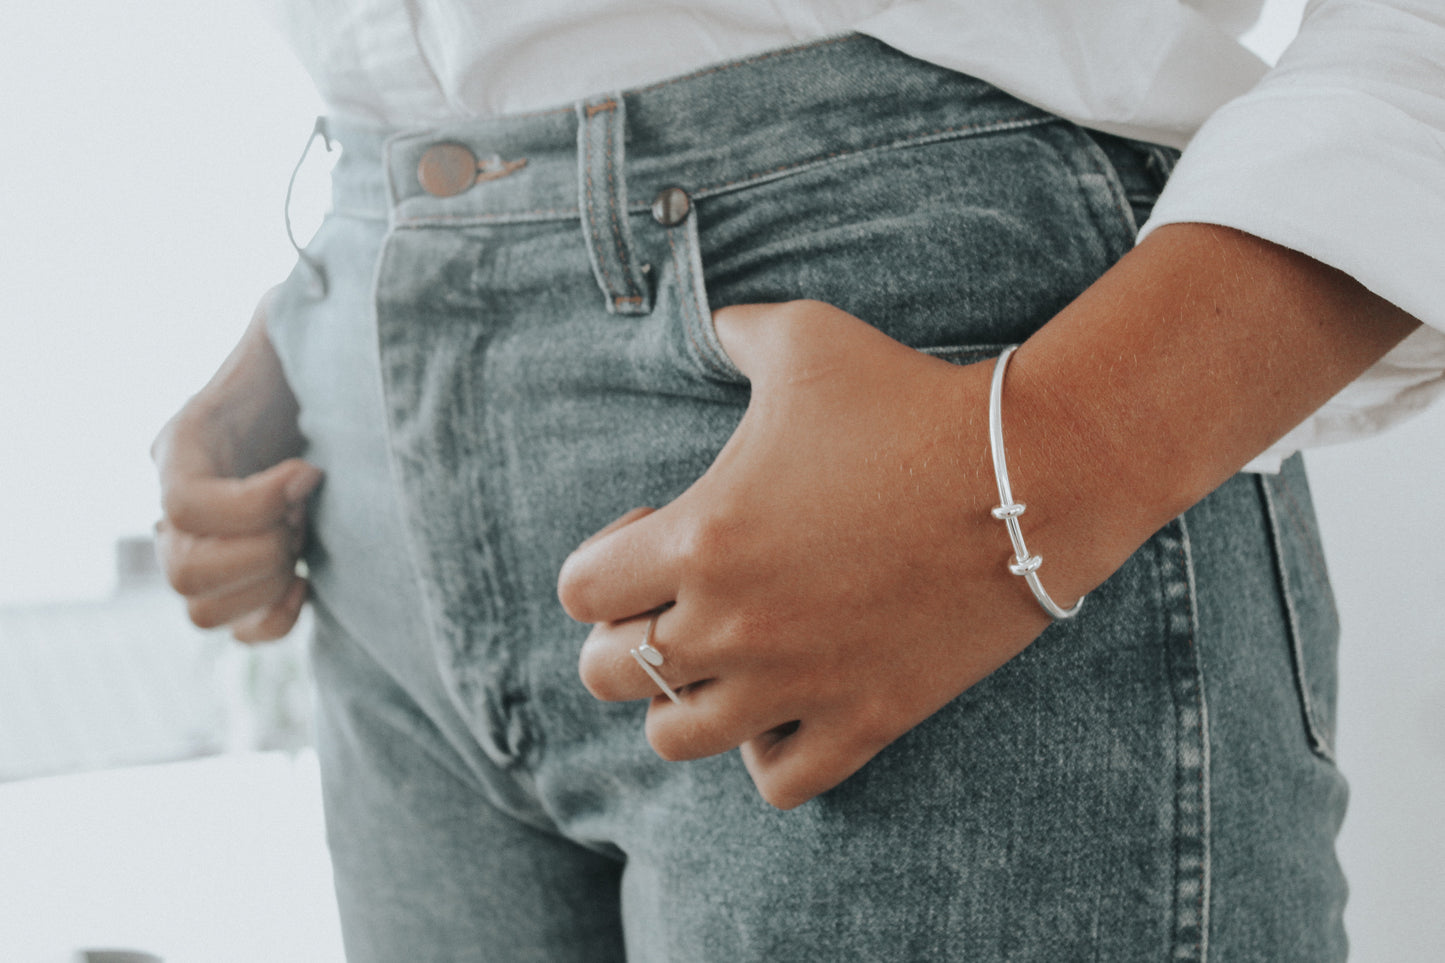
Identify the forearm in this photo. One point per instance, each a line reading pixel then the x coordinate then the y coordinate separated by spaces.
pixel 1191 356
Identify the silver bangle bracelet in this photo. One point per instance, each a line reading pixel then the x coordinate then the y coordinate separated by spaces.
pixel 1008 510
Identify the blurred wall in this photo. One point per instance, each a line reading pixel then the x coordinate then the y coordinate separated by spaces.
pixel 1381 504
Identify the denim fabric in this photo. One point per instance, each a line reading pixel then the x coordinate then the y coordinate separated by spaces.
pixel 491 377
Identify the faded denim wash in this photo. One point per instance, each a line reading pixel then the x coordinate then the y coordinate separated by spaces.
pixel 490 377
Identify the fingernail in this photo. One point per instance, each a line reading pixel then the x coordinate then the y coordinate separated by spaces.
pixel 302 484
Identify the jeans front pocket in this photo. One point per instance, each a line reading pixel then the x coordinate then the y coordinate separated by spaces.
pixel 970 242
pixel 1309 604
pixel 701 343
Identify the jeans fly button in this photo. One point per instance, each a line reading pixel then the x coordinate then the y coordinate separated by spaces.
pixel 670 207
pixel 446 170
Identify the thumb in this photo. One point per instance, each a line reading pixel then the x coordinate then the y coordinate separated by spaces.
pixel 204 504
pixel 747 331
pixel 795 336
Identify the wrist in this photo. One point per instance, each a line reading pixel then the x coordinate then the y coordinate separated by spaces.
pixel 1087 509
pixel 1197 351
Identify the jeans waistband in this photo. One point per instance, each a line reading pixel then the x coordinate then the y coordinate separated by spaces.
pixel 712 131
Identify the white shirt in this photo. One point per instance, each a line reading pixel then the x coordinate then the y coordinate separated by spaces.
pixel 1338 151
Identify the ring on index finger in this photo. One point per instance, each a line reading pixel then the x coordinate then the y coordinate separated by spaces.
pixel 649 658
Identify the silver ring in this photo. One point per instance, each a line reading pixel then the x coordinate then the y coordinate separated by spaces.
pixel 648 657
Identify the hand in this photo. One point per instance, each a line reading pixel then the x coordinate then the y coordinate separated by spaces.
pixel 234 496
pixel 834 578
pixel 836 574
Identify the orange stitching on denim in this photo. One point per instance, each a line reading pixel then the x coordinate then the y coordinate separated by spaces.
pixel 595 109
pixel 620 299
pixel 497 173
pixel 592 208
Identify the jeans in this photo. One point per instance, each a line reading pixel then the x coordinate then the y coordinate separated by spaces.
pixel 490 376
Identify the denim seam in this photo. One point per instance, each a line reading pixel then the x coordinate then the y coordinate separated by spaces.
pixel 671 81
pixel 1190 936
pixel 1297 515
pixel 462 689
pixel 690 276
pixel 614 195
pixel 688 295
pixel 585 159
pixel 610 252
pixel 1164 159
pixel 1115 183
pixel 459 768
pixel 796 167
pixel 1119 205
pixel 1318 744
pixel 914 140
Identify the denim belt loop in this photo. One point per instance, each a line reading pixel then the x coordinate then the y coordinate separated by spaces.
pixel 602 197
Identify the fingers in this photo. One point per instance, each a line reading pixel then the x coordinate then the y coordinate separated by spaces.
pixel 625 569
pixel 268 625
pixel 713 717
pixel 204 504
pixel 611 673
pixel 717 710
pixel 201 566
pixel 230 547
pixel 213 611
pixel 792 764
pixel 744 331
pixel 247 580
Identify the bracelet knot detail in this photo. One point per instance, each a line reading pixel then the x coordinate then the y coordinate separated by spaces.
pixel 1025 565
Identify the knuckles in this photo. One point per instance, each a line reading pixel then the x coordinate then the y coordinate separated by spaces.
pixel 782 793
pixel 578 588
pixel 681 737
pixel 668 741
pixel 179 510
pixel 713 548
pixel 205 614
pixel 178 561
pixel 600 673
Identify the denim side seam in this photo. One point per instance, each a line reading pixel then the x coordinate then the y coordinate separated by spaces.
pixel 1190 936
pixel 1318 743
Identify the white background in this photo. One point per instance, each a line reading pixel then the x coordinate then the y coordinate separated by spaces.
pixel 144 151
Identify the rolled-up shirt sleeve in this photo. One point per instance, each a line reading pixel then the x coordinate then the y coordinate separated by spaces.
pixel 1339 152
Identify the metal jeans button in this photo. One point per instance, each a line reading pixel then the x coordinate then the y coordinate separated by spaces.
pixel 446 170
pixel 671 206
